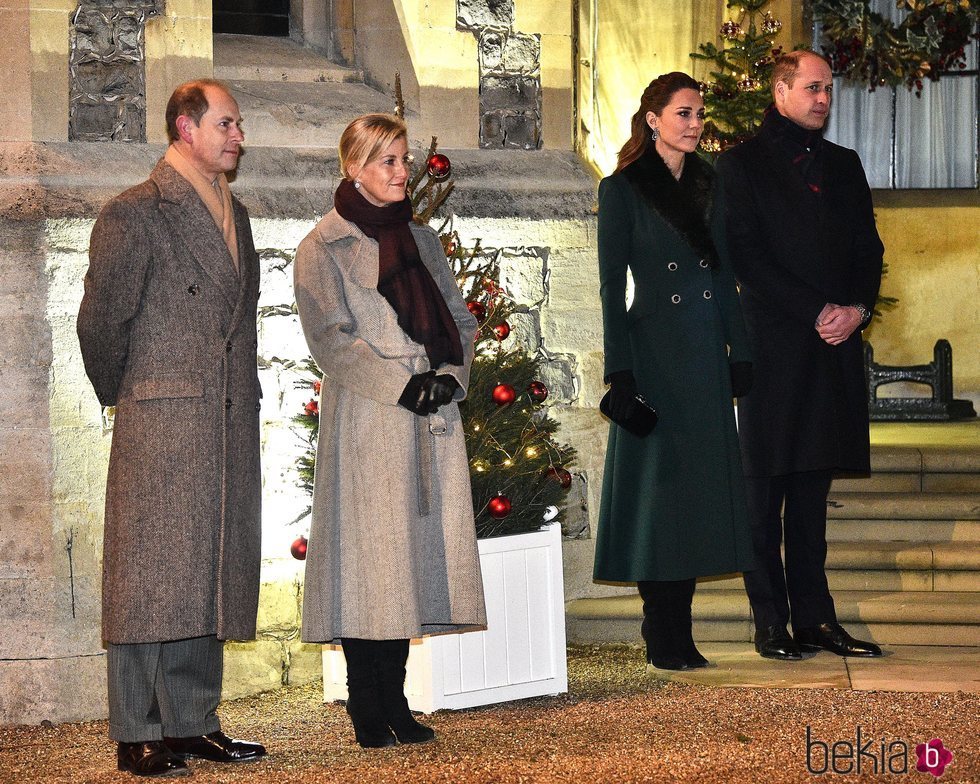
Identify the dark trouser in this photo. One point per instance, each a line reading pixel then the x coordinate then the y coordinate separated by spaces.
pixel 803 591
pixel 159 689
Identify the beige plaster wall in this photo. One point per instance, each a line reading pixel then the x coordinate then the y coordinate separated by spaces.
pixel 178 48
pixel 933 255
pixel 439 70
pixel 15 100
pixel 49 69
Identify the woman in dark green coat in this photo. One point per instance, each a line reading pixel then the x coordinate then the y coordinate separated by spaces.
pixel 673 506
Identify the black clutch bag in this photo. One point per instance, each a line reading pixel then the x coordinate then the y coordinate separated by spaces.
pixel 640 423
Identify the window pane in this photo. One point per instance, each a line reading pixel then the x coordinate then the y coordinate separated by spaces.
pixel 863 121
pixel 937 135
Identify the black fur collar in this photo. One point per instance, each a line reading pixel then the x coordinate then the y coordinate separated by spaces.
pixel 684 204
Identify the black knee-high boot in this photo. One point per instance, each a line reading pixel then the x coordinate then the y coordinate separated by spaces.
pixel 664 650
pixel 364 693
pixel 391 667
pixel 684 623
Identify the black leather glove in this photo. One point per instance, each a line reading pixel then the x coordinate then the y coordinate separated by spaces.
pixel 622 394
pixel 439 391
pixel 741 378
pixel 415 397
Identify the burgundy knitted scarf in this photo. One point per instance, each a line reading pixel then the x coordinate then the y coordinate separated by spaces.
pixel 403 279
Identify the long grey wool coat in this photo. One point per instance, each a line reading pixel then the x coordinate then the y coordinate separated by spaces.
pixel 392 551
pixel 673 503
pixel 167 332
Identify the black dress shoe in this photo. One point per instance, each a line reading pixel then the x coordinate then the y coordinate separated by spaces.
pixel 216 747
pixel 151 758
pixel 832 637
pixel 774 642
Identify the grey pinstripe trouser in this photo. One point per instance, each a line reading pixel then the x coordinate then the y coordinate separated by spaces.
pixel 159 689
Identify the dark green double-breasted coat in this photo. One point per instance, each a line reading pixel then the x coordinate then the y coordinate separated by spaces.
pixel 672 503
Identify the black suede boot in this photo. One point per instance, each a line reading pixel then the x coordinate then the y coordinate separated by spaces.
pixel 364 693
pixel 663 649
pixel 684 624
pixel 391 667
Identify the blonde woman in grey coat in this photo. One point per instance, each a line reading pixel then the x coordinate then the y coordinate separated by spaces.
pixel 392 552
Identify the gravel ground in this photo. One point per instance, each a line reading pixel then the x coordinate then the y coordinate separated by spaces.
pixel 617 724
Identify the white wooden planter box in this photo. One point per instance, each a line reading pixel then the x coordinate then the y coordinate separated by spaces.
pixel 522 652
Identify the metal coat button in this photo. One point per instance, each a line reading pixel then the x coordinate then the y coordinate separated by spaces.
pixel 672 266
pixel 227 402
pixel 228 346
pixel 193 289
pixel 703 263
pixel 676 298
pixel 707 294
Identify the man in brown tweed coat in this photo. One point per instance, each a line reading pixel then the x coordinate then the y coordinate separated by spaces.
pixel 167 332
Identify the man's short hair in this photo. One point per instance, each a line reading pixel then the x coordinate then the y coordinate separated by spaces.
pixel 788 64
pixel 189 99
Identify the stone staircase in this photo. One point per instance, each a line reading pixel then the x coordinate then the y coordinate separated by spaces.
pixel 291 96
pixel 903 559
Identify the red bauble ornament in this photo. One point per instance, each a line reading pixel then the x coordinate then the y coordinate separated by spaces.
pixel 538 391
pixel 316 387
pixel 499 507
pixel 312 408
pixel 504 394
pixel 502 330
pixel 561 475
pixel 478 309
pixel 450 248
pixel 298 549
pixel 438 166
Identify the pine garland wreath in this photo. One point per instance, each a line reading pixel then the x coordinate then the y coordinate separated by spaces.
pixel 865 47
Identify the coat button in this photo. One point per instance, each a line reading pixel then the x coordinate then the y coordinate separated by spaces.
pixel 228 346
pixel 258 406
pixel 676 298
pixel 227 402
pixel 193 289
pixel 703 263
pixel 672 266
pixel 707 294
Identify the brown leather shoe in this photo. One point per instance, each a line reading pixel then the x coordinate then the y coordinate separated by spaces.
pixel 150 758
pixel 216 747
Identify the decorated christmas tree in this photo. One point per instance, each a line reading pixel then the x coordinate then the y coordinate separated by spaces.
pixel 738 91
pixel 518 470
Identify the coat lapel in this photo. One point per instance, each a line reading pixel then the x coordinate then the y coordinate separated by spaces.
pixel 248 267
pixel 363 262
pixel 190 219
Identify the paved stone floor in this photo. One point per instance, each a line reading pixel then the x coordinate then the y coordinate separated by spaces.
pixel 903 668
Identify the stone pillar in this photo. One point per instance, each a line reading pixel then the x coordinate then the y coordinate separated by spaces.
pixel 51 656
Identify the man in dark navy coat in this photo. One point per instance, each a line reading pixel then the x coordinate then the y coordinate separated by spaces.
pixel 801 233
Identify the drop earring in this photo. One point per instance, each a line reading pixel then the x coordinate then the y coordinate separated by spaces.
pixel 655 135
pixel 357 184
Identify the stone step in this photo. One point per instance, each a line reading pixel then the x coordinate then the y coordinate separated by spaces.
pixel 303 114
pixel 903 530
pixel 75 179
pixel 903 617
pixel 902 506
pixel 274 59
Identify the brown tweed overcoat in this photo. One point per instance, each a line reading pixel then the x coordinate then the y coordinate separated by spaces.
pixel 168 336
pixel 392 551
